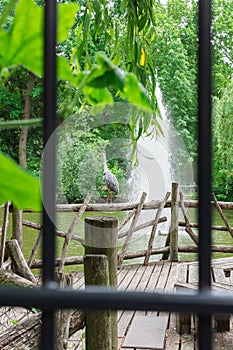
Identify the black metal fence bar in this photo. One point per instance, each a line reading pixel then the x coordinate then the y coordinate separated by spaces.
pixel 49 297
pixel 49 161
pixel 204 302
pixel 49 168
pixel 204 146
pixel 204 165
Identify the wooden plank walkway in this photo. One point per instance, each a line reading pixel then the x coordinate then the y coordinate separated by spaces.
pixel 159 276
pixel 162 276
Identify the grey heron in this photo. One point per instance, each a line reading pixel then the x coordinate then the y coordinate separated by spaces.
pixel 109 178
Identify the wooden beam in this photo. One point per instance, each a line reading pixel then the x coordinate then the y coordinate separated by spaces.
pixel 19 261
pixel 173 231
pixel 110 207
pixel 68 236
pixel 154 227
pixel 131 229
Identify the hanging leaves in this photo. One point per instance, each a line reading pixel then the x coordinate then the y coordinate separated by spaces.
pixel 23 45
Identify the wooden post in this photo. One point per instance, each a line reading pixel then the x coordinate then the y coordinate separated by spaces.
pixel 187 223
pixel 173 231
pixel 34 249
pixel 4 232
pixel 17 230
pixel 183 323
pixel 70 231
pixel 101 238
pixel 63 316
pixel 98 323
pixel 167 244
pixel 128 217
pixel 154 227
pixel 18 260
pixel 10 278
pixel 131 229
pixel 222 322
pixel 222 215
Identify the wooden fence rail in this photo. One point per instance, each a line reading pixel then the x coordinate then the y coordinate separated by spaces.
pixel 171 248
pixel 115 207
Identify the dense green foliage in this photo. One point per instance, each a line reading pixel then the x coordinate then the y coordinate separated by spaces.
pixel 115 51
pixel 223 144
pixel 21 45
pixel 175 58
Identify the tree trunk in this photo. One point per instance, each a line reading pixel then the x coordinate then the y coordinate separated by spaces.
pixel 25 116
pixel 17 214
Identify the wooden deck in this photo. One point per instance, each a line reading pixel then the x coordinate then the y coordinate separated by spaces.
pixel 162 276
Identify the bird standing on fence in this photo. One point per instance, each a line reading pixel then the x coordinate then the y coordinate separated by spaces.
pixel 109 178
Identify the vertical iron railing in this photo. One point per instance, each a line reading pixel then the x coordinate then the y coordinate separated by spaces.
pixel 49 166
pixel 204 162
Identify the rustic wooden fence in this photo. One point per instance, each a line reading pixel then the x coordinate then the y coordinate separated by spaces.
pixel 129 226
pixel 22 275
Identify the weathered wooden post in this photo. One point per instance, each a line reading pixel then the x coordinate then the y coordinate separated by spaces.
pixel 18 260
pixel 131 229
pixel 98 323
pixel 17 226
pixel 63 316
pixel 101 239
pixel 154 227
pixel 4 232
pixel 70 230
pixel 173 231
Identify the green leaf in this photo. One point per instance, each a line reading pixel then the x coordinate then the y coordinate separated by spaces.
pixel 66 13
pixel 23 44
pixel 142 22
pixel 96 96
pixel 64 71
pixel 114 77
pixel 106 74
pixel 136 93
pixel 18 186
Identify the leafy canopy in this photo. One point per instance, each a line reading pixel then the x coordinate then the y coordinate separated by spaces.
pixel 22 45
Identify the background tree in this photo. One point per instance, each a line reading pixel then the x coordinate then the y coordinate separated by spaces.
pixel 175 58
pixel 223 144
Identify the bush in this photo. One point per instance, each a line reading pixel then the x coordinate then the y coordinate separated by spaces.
pixel 79 166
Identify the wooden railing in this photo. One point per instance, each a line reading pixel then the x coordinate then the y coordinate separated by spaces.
pixel 130 225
